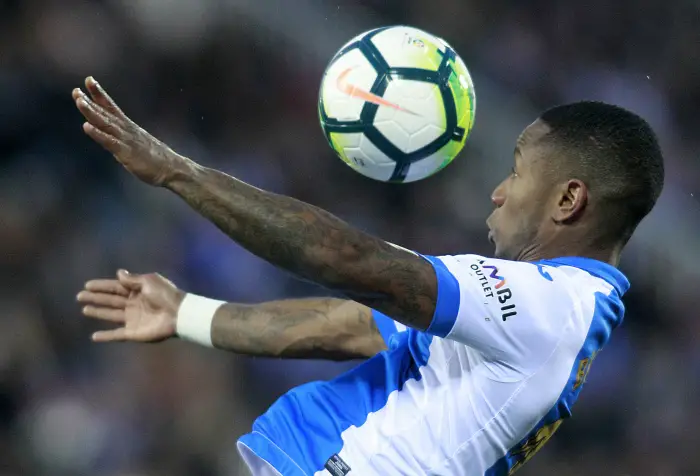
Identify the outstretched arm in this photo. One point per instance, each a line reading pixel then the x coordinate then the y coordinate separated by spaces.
pixel 332 329
pixel 313 244
pixel 293 235
pixel 146 307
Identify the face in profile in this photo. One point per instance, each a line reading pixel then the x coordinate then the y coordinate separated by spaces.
pixel 523 198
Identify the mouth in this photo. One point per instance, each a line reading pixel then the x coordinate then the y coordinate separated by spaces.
pixel 488 225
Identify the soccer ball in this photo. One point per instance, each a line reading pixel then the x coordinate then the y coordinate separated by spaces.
pixel 397 104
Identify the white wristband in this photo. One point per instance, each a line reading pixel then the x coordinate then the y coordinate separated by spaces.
pixel 194 318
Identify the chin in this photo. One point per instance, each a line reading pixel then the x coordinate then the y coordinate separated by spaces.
pixel 501 253
pixel 497 251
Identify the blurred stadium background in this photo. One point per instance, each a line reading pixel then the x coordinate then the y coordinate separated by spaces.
pixel 233 83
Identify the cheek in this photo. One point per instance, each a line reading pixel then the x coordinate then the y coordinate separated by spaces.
pixel 525 205
pixel 517 200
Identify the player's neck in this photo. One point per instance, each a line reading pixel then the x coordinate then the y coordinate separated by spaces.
pixel 535 252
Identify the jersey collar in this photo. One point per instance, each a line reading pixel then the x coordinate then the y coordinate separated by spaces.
pixel 602 270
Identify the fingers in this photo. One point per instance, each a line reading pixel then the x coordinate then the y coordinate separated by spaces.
pixel 130 281
pixel 108 141
pixel 112 335
pixel 113 301
pixel 97 115
pixel 112 286
pixel 100 96
pixel 123 286
pixel 105 122
pixel 104 313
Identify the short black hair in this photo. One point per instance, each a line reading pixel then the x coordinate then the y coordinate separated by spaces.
pixel 617 154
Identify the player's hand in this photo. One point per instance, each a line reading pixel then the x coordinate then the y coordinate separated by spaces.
pixel 138 151
pixel 144 307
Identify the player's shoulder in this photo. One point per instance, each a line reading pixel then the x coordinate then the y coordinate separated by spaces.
pixel 544 291
pixel 520 312
pixel 501 278
pixel 588 275
pixel 582 275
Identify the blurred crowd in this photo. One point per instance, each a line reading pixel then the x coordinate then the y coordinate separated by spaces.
pixel 233 84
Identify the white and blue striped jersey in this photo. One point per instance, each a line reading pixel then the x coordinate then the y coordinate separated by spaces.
pixel 476 394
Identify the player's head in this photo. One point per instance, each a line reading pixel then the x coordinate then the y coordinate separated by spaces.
pixel 585 175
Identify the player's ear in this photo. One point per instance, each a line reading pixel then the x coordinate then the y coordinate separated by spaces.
pixel 572 200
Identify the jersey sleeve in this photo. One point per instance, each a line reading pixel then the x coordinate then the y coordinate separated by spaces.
pixel 509 310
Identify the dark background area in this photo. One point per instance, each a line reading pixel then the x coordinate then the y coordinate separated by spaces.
pixel 233 84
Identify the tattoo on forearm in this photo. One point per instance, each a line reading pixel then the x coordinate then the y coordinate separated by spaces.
pixel 315 245
pixel 305 328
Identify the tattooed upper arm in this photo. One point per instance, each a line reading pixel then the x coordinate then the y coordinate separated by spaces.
pixel 405 285
pixel 298 328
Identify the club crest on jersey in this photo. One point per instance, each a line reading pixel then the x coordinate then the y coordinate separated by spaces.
pixel 488 274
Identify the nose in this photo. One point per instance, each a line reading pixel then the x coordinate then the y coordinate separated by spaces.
pixel 498 196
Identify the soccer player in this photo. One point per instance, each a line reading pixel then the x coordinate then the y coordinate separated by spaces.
pixel 472 362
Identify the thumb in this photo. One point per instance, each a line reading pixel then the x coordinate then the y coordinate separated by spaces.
pixel 130 281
